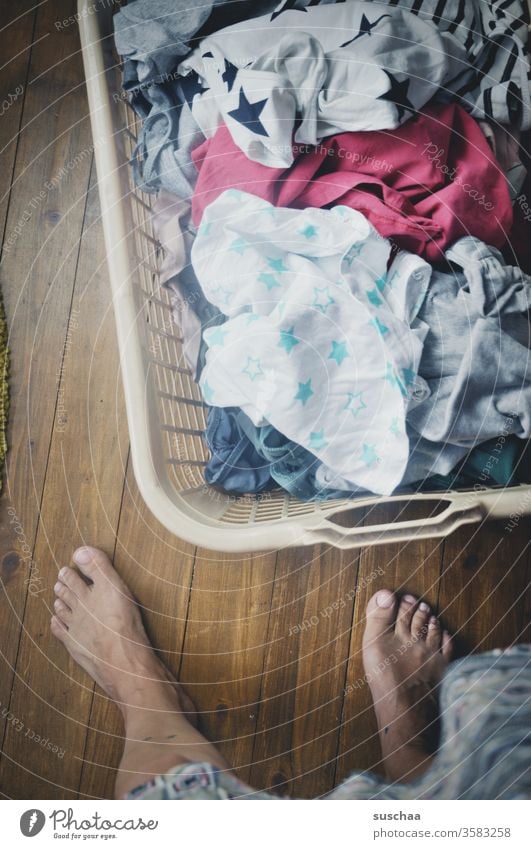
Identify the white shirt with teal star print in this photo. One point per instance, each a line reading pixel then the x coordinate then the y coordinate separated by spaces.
pixel 317 340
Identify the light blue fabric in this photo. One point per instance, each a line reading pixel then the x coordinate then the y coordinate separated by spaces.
pixel 477 353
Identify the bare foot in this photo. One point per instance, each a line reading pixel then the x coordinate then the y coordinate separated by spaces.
pixel 99 623
pixel 405 654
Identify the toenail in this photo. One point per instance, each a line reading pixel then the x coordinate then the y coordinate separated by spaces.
pixel 424 607
pixel 433 621
pixel 409 598
pixel 384 598
pixel 83 556
pixel 63 571
pixel 57 588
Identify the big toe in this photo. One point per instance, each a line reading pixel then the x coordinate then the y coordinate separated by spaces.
pixel 380 614
pixel 93 562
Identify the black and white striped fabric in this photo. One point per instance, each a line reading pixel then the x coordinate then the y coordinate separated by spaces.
pixel 494 33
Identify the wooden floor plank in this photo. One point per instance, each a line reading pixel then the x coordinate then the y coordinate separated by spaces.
pixel 224 648
pixel 484 585
pixel 37 277
pixel 81 502
pixel 16 52
pixel 307 650
pixel 18 22
pixel 158 568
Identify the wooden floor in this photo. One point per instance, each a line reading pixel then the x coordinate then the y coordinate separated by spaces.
pixel 268 645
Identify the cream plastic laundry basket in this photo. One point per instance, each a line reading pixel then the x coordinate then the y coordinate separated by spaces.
pixel 165 412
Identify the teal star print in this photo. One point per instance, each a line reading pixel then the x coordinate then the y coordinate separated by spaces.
pixel 288 340
pixel 395 276
pixel 390 374
pixel 239 246
pixel 322 299
pixel 355 403
pixel 217 337
pixel 393 379
pixel 222 295
pixel 208 392
pixel 409 376
pixel 338 352
pixel 394 427
pixel 277 265
pixel 309 232
pixel 369 455
pixel 380 326
pixel 305 392
pixel 380 283
pixel 374 297
pixel 252 317
pixel 269 280
pixel 354 252
pixel 317 441
pixel 253 369
pixel 204 228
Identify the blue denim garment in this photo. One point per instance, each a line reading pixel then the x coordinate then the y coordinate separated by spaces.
pixel 234 464
pixel 245 458
pixel 292 466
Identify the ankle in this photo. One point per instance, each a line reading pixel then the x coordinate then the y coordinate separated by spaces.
pixel 145 685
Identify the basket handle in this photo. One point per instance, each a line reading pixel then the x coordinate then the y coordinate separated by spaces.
pixel 441 525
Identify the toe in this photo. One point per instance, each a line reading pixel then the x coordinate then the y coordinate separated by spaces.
pixel 447 646
pixel 419 621
pixel 62 611
pixel 93 562
pixel 65 594
pixel 433 637
pixel 73 580
pixel 406 610
pixel 380 614
pixel 58 628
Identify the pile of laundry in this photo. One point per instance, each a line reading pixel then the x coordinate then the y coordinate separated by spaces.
pixel 342 200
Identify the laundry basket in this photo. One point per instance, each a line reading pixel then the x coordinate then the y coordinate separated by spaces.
pixel 165 411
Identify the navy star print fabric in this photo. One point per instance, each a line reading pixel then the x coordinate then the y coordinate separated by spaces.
pixel 304 74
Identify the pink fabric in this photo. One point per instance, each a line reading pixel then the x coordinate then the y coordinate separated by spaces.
pixel 423 185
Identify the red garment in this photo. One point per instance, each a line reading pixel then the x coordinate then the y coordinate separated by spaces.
pixel 423 185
